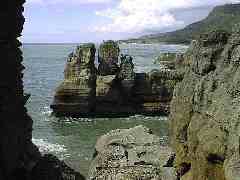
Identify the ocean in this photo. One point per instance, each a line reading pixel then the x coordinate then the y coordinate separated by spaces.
pixel 73 140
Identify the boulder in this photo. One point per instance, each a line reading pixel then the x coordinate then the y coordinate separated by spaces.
pixel 130 154
pixel 76 94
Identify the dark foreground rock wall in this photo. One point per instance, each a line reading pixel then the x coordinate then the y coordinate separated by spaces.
pixel 205 113
pixel 19 157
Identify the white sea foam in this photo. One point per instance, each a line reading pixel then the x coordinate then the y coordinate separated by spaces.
pixel 46 111
pixel 47 147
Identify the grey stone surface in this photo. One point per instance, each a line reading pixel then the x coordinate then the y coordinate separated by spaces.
pixel 130 154
pixel 205 115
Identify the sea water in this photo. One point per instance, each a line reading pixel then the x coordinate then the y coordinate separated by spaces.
pixel 73 139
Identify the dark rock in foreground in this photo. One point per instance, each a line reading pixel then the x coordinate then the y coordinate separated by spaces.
pixel 130 154
pixel 50 168
pixel 115 90
pixel 19 157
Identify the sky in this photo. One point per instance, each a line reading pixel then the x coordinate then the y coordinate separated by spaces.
pixel 77 21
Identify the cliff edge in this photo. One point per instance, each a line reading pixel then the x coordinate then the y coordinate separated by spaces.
pixel 205 110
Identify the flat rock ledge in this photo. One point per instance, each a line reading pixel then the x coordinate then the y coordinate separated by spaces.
pixel 130 154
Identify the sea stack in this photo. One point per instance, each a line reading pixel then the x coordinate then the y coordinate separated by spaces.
pixel 112 97
pixel 76 94
pixel 108 58
pixel 114 90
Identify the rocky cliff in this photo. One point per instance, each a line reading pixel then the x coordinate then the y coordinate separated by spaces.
pixel 205 113
pixel 19 157
pixel 114 89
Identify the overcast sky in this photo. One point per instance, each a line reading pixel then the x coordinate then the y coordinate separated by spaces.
pixel 95 20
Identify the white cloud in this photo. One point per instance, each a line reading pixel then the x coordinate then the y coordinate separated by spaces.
pixel 139 15
pixel 46 2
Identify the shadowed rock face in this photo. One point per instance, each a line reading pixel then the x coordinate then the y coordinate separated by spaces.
pixel 205 129
pixel 130 154
pixel 18 155
pixel 16 149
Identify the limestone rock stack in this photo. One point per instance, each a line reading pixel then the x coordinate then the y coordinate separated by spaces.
pixel 127 75
pixel 113 83
pixel 205 114
pixel 76 95
pixel 108 58
pixel 116 90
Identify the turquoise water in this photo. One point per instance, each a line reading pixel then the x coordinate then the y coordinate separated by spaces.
pixel 73 140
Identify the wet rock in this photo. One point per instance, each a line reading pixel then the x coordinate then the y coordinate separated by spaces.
pixel 130 154
pixel 205 110
pixel 76 95
pixel 108 58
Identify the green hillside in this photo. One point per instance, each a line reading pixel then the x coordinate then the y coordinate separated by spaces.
pixel 221 18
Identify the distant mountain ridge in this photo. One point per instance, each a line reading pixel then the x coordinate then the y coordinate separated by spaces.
pixel 220 18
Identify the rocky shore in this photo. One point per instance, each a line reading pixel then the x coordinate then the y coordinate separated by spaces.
pixel 114 89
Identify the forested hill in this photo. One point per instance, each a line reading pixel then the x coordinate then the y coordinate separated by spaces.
pixel 221 18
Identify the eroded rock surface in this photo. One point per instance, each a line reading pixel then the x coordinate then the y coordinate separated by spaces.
pixel 76 94
pixel 205 130
pixel 130 154
pixel 116 90
pixel 108 58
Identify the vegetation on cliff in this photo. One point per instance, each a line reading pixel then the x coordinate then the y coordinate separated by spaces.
pixel 221 18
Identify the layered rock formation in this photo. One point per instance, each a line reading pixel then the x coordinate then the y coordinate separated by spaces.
pixel 76 95
pixel 115 90
pixel 205 114
pixel 18 155
pixel 130 154
pixel 108 58
pixel 153 91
